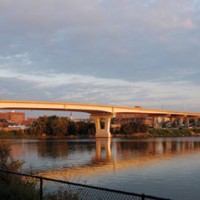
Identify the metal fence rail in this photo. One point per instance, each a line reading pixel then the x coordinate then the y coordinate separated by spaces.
pixel 50 189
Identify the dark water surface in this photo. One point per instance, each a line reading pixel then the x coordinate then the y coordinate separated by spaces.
pixel 166 167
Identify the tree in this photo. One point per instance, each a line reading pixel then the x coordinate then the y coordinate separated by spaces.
pixel 134 127
pixel 14 187
pixel 50 129
pixel 60 126
pixel 6 160
pixel 72 130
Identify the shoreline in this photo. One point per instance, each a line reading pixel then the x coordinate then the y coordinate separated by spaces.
pixel 130 136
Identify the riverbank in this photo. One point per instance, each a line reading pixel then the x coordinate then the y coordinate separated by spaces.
pixel 152 133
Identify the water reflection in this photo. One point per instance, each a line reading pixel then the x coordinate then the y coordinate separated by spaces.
pixel 100 151
pixel 157 147
pixel 103 150
pixel 90 157
pixel 147 166
pixel 51 149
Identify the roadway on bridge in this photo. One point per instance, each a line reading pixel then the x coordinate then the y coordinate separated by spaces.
pixel 88 108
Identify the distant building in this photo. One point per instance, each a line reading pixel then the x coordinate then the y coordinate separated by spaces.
pixel 30 121
pixel 130 117
pixel 125 118
pixel 13 117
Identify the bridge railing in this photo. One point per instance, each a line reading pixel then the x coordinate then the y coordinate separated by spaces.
pixel 50 189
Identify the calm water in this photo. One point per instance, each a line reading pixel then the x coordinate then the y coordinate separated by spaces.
pixel 161 167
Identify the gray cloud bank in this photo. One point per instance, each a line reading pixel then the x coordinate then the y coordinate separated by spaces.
pixel 130 52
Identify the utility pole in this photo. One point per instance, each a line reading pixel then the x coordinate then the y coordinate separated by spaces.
pixel 71 116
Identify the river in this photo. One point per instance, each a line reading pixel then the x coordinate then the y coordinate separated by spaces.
pixel 165 167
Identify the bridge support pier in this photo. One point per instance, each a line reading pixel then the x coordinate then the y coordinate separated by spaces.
pixel 180 121
pixel 172 120
pixel 196 120
pixel 187 122
pixel 102 130
pixel 155 122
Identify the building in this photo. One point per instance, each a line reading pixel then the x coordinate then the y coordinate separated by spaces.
pixel 13 117
pixel 125 118
pixel 129 117
pixel 29 121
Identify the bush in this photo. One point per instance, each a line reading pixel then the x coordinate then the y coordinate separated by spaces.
pixel 170 132
pixel 12 186
pixel 6 160
pixel 196 130
pixel 16 187
pixel 134 127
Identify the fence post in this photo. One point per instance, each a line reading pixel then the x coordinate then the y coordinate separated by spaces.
pixel 143 197
pixel 41 189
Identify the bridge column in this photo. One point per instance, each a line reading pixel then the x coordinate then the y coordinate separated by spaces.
pixel 196 122
pixel 155 121
pixel 187 122
pixel 172 120
pixel 180 121
pixel 102 132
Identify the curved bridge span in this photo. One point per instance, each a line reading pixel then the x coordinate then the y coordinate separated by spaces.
pixel 97 111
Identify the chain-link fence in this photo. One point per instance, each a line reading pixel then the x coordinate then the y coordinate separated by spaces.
pixel 22 186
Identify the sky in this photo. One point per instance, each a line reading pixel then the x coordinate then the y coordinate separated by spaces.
pixel 130 52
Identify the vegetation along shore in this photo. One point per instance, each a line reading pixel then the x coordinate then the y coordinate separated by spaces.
pixel 63 127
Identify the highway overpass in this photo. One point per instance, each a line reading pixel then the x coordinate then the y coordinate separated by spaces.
pixel 97 111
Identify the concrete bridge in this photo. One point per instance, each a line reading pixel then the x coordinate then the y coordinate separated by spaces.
pixel 98 112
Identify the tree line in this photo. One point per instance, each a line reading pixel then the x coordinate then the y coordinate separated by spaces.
pixel 134 127
pixel 63 126
pixel 60 126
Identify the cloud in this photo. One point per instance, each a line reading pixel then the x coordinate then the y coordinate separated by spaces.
pixel 98 15
pixel 122 52
pixel 50 13
pixel 188 24
pixel 79 88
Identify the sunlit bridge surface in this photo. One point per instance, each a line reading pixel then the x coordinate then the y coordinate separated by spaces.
pixel 161 167
pixel 98 112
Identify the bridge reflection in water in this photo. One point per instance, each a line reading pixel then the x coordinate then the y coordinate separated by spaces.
pixel 103 150
pixel 120 155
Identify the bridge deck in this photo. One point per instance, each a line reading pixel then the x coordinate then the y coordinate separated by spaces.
pixel 88 108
